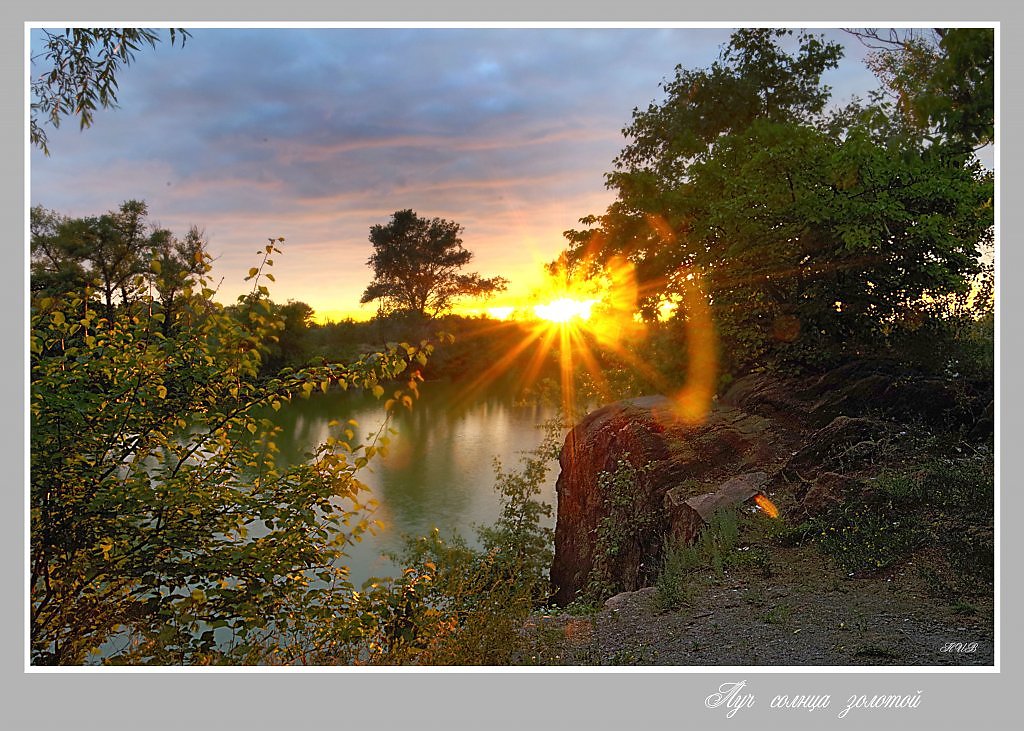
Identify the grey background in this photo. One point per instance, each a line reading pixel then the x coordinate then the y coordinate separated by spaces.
pixel 466 699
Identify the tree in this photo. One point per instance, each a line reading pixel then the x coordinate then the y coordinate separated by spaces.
pixel 942 79
pixel 83 68
pixel 809 234
pixel 162 523
pixel 176 266
pixel 112 253
pixel 57 262
pixel 291 347
pixel 416 265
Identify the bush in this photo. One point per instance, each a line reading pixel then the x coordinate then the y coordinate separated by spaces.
pixel 476 600
pixel 159 517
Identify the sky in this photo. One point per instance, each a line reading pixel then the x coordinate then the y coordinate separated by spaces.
pixel 317 134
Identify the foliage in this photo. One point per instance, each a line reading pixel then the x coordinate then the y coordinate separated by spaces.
pixel 935 499
pixel 942 79
pixel 623 528
pixel 416 265
pixel 162 528
pixel 683 563
pixel 808 233
pixel 290 347
pixel 866 538
pixel 118 254
pixel 473 608
pixel 83 64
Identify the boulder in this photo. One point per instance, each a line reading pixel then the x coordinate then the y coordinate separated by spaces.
pixel 826 491
pixel 807 438
pixel 842 443
pixel 664 453
pixel 628 430
pixel 687 515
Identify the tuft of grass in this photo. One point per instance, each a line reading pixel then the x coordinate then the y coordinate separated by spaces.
pixel 684 566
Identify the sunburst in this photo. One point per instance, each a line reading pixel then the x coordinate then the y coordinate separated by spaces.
pixel 578 321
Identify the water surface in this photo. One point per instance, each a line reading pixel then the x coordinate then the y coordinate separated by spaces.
pixel 439 470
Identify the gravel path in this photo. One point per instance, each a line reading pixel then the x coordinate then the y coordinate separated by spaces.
pixel 805 613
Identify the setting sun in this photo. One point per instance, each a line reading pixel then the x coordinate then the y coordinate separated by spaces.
pixel 565 309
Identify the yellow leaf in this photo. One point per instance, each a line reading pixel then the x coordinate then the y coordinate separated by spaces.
pixel 161 391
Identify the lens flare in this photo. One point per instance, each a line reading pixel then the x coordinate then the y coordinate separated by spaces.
pixel 586 314
pixel 766 505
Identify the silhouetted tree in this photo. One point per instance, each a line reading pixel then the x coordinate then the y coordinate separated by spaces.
pixel 416 265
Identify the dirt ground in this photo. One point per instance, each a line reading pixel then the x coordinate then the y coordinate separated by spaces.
pixel 805 613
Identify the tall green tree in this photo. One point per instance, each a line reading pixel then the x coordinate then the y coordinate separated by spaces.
pixel 111 253
pixel 177 266
pixel 808 233
pixel 57 261
pixel 416 266
pixel 80 72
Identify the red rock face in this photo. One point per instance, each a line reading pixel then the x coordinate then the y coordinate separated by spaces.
pixel 666 454
pixel 625 430
pixel 809 437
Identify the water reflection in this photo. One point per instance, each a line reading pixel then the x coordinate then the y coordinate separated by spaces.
pixel 439 470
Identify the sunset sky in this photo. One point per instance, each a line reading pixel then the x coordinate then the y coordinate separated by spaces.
pixel 318 134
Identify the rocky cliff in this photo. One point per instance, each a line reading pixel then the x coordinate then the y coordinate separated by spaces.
pixel 632 472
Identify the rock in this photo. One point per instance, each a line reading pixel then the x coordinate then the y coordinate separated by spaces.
pixel 808 438
pixel 764 394
pixel 881 386
pixel 624 599
pixel 687 515
pixel 841 442
pixel 627 430
pixel 665 453
pixel 826 491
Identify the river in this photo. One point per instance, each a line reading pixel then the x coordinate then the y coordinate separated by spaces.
pixel 439 469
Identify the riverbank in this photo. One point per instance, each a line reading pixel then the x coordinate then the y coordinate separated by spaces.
pixel 882 553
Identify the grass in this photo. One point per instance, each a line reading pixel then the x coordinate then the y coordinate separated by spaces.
pixel 686 567
pixel 938 506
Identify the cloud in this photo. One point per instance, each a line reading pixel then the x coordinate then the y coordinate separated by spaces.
pixel 318 134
